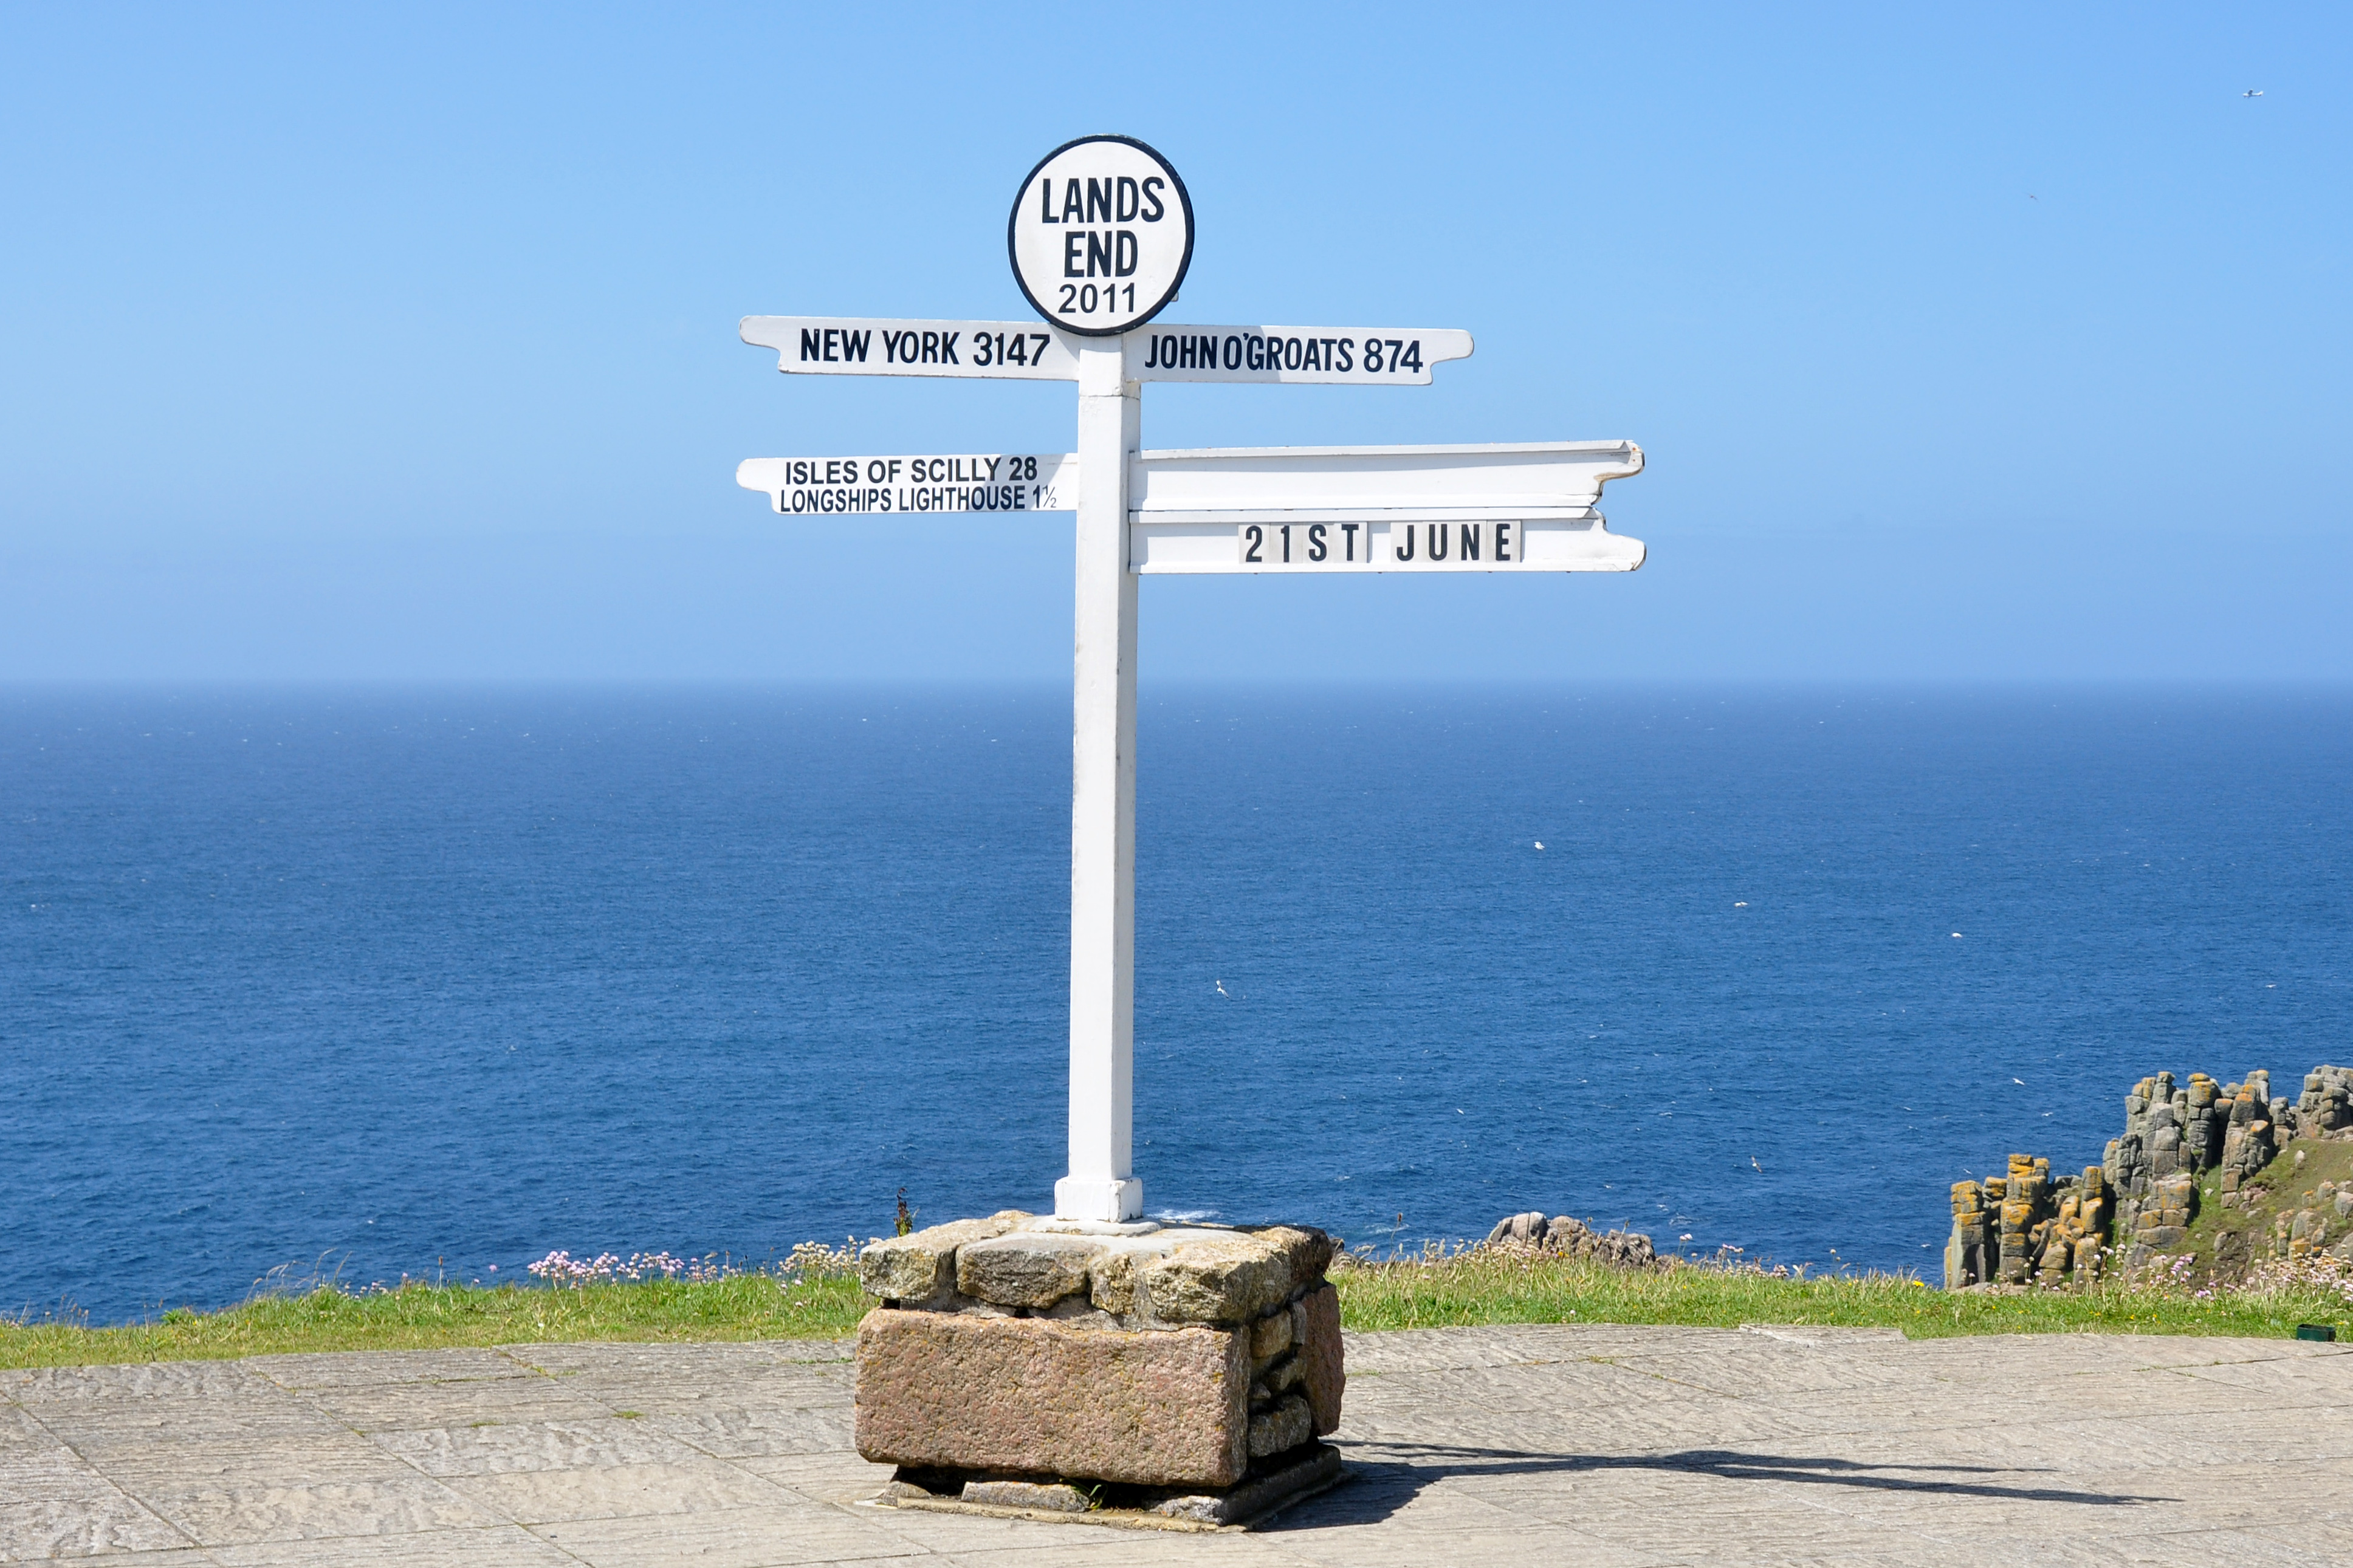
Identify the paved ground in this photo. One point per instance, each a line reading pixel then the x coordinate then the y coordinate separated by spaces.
pixel 1520 1446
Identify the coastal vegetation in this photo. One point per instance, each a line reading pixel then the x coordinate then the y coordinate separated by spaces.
pixel 1507 1285
pixel 815 1294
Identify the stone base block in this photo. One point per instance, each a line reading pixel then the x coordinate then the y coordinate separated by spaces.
pixel 1272 1486
pixel 1032 1397
pixel 1045 1359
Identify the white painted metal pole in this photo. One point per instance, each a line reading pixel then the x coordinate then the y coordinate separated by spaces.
pixel 1102 1185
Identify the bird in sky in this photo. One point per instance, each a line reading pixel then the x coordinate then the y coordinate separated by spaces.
pixel 1752 1160
pixel 2020 1081
pixel 2253 92
pixel 1220 985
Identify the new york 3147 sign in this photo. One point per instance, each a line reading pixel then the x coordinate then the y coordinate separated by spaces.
pixel 1101 235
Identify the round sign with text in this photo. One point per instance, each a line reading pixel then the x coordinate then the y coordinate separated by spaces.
pixel 1101 235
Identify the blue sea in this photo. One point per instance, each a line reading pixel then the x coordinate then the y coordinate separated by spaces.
pixel 386 981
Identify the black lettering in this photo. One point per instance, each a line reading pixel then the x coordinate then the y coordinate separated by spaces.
pixel 947 348
pixel 1502 541
pixel 1070 254
pixel 1124 248
pixel 875 471
pixel 1254 352
pixel 853 344
pixel 1233 352
pixel 1347 359
pixel 1045 201
pixel 1099 201
pixel 1405 552
pixel 1313 358
pixel 1257 536
pixel 1438 541
pixel 1350 530
pixel 1316 551
pixel 1153 211
pixel 1152 360
pixel 1184 359
pixel 1128 200
pixel 1291 353
pixel 832 342
pixel 1073 210
pixel 810 342
pixel 1286 544
pixel 930 351
pixel 1470 541
pixel 1097 250
pixel 1038 356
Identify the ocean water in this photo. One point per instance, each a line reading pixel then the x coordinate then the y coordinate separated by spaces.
pixel 398 982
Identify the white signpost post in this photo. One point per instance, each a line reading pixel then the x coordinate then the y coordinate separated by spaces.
pixel 1101 235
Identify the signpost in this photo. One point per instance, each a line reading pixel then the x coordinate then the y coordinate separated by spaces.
pixel 1101 235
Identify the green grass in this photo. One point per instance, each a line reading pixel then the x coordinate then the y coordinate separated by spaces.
pixel 1469 1290
pixel 416 1316
pixel 2283 1186
pixel 1489 1287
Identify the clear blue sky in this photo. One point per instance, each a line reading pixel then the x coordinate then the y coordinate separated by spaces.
pixel 1965 342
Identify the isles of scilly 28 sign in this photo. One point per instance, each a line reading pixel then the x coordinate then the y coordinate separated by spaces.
pixel 1101 235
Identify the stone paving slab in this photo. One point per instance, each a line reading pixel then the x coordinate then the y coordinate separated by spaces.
pixel 1517 1446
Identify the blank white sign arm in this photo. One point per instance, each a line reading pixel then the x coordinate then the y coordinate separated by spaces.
pixel 1506 507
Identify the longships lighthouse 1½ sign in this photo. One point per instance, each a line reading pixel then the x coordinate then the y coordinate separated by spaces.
pixel 1101 236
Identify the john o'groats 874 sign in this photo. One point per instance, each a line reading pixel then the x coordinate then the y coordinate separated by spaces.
pixel 1101 235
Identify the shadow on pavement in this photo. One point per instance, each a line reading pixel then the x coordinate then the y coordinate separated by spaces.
pixel 1389 1474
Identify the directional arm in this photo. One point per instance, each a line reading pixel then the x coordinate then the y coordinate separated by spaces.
pixel 1332 356
pixel 874 345
pixel 1493 507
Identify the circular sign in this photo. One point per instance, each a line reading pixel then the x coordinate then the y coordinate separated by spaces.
pixel 1101 235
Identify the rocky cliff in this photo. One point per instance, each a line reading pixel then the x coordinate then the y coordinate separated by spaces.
pixel 2183 1145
